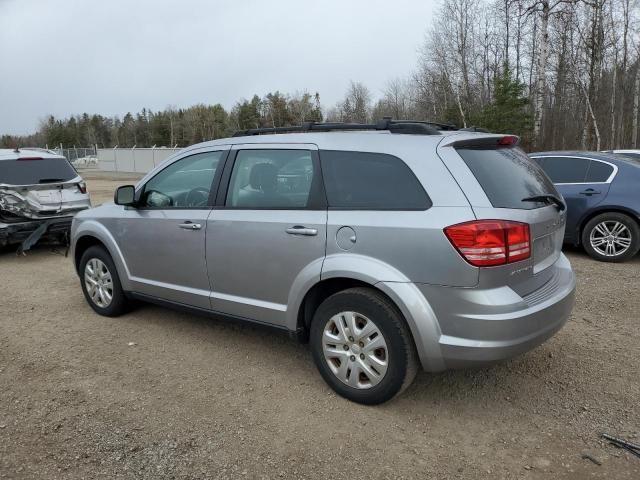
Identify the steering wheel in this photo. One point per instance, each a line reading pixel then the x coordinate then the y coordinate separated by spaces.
pixel 197 197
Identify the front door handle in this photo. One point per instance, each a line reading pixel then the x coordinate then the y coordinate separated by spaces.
pixel 188 225
pixel 300 230
pixel 589 191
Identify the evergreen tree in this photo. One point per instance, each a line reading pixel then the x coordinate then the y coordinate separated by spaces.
pixel 508 112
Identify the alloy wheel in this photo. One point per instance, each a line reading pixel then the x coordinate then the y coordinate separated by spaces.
pixel 610 238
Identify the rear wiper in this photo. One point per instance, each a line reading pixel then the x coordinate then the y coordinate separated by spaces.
pixel 50 180
pixel 547 198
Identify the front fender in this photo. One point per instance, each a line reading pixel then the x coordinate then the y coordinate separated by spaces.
pixel 95 229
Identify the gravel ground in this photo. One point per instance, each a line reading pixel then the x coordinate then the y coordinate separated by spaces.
pixel 163 394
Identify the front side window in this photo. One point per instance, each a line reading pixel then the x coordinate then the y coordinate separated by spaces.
pixel 566 169
pixel 183 184
pixel 276 179
pixel 370 181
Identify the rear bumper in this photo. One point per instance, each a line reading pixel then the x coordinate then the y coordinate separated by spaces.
pixel 14 233
pixel 477 327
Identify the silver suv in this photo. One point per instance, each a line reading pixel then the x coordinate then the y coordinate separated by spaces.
pixel 39 194
pixel 385 246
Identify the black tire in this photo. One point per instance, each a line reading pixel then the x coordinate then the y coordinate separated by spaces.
pixel 627 221
pixel 402 357
pixel 119 303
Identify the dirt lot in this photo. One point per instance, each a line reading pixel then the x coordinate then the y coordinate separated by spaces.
pixel 200 398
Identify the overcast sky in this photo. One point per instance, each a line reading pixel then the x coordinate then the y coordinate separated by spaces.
pixel 65 57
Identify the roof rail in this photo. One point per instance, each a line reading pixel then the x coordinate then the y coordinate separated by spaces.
pixel 393 126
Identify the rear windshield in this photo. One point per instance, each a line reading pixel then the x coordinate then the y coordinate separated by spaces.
pixel 30 172
pixel 507 176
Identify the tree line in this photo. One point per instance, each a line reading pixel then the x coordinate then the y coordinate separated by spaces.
pixel 562 74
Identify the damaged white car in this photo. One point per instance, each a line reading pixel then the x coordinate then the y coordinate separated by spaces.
pixel 40 192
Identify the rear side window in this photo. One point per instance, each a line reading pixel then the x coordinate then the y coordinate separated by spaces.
pixel 507 176
pixel 271 179
pixel 566 169
pixel 31 172
pixel 370 181
pixel 598 172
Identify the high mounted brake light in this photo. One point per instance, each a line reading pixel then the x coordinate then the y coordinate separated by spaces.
pixel 486 243
pixel 488 142
pixel 508 141
pixel 29 158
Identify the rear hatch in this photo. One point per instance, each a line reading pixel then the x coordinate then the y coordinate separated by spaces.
pixel 37 187
pixel 502 183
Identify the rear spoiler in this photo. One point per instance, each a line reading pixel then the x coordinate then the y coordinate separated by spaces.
pixel 481 141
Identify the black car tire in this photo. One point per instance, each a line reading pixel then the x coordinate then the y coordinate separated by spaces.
pixel 627 221
pixel 402 355
pixel 119 302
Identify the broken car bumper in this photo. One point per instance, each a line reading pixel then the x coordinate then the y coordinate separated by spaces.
pixel 13 233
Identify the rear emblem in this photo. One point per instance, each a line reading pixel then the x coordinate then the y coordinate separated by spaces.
pixel 521 270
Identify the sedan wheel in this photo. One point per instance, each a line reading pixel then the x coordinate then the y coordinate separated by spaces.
pixel 611 237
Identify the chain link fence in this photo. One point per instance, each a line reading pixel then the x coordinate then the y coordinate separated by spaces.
pixel 79 156
pixel 130 160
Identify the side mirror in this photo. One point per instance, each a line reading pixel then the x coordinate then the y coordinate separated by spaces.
pixel 125 195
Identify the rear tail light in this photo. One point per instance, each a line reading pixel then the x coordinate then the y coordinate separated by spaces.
pixel 82 187
pixel 484 243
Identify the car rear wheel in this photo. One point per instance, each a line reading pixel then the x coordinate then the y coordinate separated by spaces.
pixel 362 346
pixel 100 283
pixel 611 237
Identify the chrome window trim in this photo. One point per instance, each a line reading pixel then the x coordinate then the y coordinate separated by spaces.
pixel 608 181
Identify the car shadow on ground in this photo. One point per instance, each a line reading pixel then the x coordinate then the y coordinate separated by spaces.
pixel 274 351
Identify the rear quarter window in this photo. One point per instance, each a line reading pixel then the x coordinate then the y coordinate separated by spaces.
pixel 31 172
pixel 598 172
pixel 507 176
pixel 370 181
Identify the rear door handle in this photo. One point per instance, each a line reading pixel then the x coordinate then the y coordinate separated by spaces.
pixel 300 230
pixel 188 225
pixel 589 192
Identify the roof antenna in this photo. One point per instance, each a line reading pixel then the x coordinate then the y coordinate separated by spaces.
pixel 17 150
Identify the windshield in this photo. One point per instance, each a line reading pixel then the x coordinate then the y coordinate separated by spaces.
pixel 508 177
pixel 31 172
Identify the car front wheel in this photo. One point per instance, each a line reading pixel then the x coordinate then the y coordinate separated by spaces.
pixel 611 237
pixel 100 283
pixel 362 346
